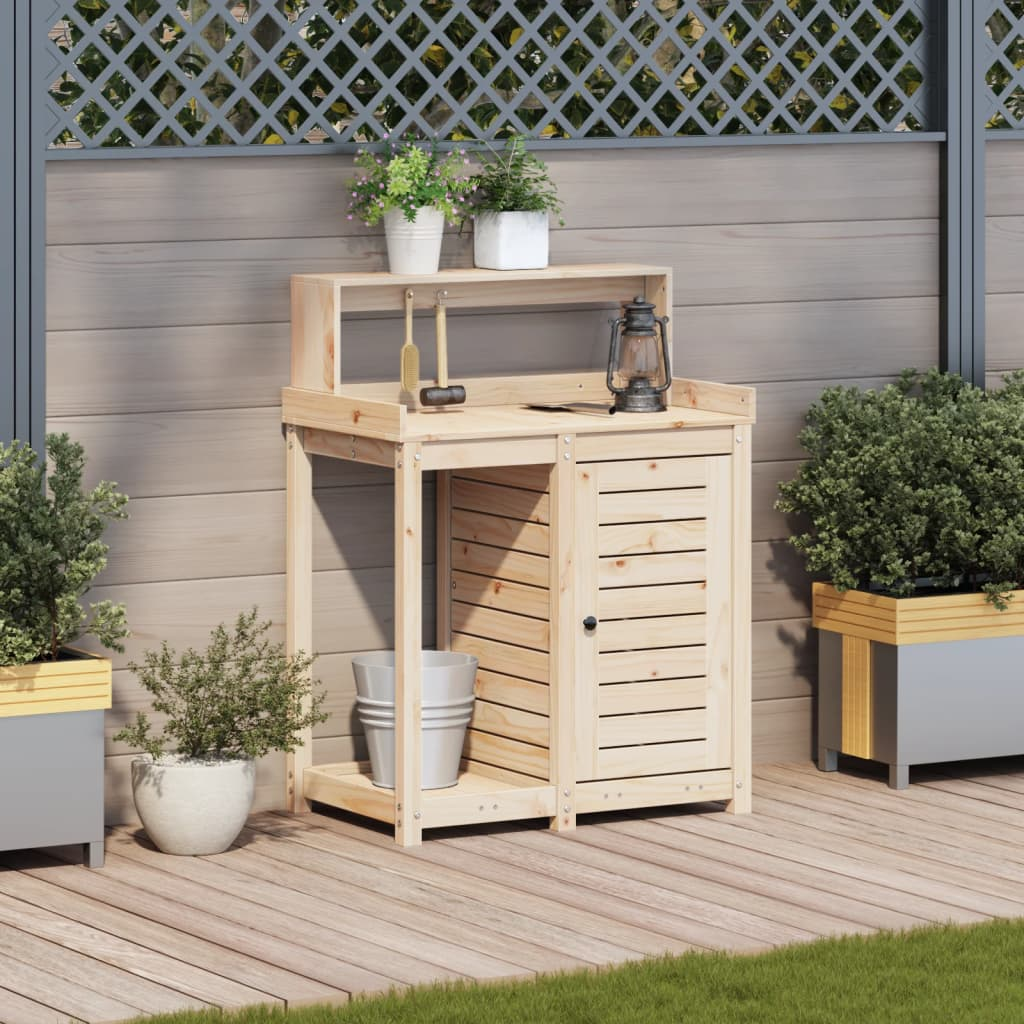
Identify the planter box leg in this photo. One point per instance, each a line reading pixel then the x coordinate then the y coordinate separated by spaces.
pixel 92 854
pixel 899 776
pixel 828 759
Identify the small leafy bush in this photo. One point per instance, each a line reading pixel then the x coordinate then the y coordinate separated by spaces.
pixel 408 175
pixel 513 179
pixel 241 697
pixel 917 486
pixel 51 551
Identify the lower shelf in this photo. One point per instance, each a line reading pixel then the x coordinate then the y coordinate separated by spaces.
pixel 475 799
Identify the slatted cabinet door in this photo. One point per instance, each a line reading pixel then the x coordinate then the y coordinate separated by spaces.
pixel 653 568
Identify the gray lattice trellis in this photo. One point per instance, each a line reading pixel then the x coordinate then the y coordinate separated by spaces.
pixel 141 73
pixel 1004 65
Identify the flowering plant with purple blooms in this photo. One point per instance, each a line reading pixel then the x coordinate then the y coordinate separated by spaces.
pixel 407 176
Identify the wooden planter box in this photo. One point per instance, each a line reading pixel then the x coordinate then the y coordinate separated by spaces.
pixel 917 680
pixel 51 754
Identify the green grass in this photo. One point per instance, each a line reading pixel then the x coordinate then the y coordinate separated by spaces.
pixel 933 975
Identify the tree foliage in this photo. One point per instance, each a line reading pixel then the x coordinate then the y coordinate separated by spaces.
pixel 51 551
pixel 918 485
pixel 241 697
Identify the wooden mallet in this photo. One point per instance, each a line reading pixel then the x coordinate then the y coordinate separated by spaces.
pixel 442 394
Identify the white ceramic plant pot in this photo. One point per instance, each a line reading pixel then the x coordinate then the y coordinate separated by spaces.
pixel 414 247
pixel 190 806
pixel 511 241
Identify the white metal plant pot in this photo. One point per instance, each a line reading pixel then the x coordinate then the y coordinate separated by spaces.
pixel 190 806
pixel 414 247
pixel 511 241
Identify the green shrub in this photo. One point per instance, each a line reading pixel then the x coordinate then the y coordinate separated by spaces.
pixel 50 552
pixel 241 697
pixel 513 179
pixel 919 485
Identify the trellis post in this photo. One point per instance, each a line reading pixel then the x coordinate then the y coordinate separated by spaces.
pixel 962 249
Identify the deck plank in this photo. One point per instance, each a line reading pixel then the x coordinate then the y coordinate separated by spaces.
pixel 83 969
pixel 315 907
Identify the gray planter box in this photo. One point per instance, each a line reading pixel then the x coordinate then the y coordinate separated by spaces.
pixel 950 700
pixel 51 782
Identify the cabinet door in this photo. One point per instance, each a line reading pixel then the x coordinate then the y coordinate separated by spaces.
pixel 653 568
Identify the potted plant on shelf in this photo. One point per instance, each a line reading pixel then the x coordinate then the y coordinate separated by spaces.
pixel 225 707
pixel 913 502
pixel 414 188
pixel 512 197
pixel 52 696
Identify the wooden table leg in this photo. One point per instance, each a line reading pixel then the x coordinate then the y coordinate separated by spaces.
pixel 408 644
pixel 562 741
pixel 299 592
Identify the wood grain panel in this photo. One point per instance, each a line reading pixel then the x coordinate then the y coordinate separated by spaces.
pixel 1004 167
pixel 644 634
pixel 652 538
pixel 201 536
pixel 783 729
pixel 513 502
pixel 353 610
pixel 1004 343
pixel 651 695
pixel 502 626
pixel 532 478
pixel 651 474
pixel 500 594
pixel 785 658
pixel 647 570
pixel 657 759
pixel 637 602
pixel 651 506
pixel 512 722
pixel 504 658
pixel 495 562
pixel 766 522
pixel 656 727
pixel 512 691
pixel 781 585
pixel 637 666
pixel 508 534
pixel 168 284
pixel 503 752
pixel 1004 250
pixel 304 196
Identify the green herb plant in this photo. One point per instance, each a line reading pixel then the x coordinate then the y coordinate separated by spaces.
pixel 513 180
pixel 918 486
pixel 408 175
pixel 241 697
pixel 51 551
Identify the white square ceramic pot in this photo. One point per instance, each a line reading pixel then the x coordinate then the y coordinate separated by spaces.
pixel 511 241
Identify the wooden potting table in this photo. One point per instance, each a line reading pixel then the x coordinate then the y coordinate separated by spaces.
pixel 545 519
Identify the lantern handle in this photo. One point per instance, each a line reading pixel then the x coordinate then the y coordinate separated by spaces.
pixel 613 354
pixel 663 321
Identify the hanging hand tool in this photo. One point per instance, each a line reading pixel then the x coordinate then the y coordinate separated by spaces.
pixel 410 373
pixel 442 394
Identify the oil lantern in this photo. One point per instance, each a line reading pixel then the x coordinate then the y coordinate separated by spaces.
pixel 638 361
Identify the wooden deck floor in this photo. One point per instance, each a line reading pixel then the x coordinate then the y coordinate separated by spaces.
pixel 316 908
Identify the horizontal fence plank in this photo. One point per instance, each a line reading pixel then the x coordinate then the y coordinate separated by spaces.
pixel 781 585
pixel 783 730
pixel 1004 254
pixel 353 609
pixel 751 343
pixel 216 535
pixel 166 284
pixel 1004 168
pixel 785 658
pixel 184 368
pixel 304 196
pixel 1004 344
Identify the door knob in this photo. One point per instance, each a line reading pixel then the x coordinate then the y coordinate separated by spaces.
pixel 590 622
